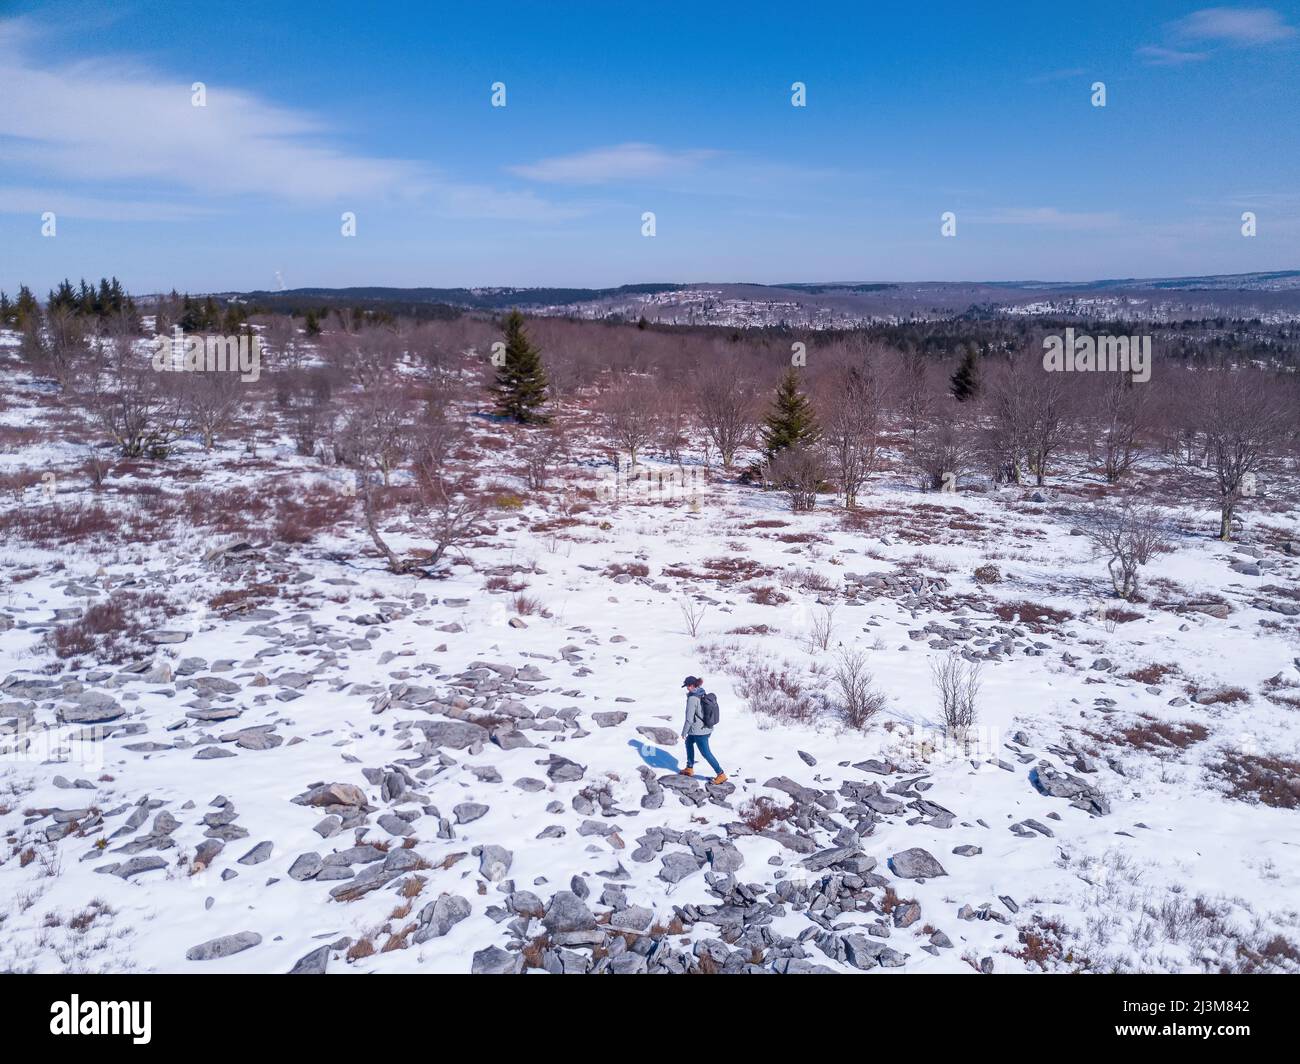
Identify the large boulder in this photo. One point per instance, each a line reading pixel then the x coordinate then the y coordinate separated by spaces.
pixel 439 917
pixel 496 961
pixel 567 912
pixel 457 734
pixel 915 863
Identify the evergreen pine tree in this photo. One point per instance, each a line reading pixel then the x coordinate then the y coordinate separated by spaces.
pixel 520 386
pixel 103 299
pixel 26 307
pixel 6 309
pixel 966 381
pixel 790 421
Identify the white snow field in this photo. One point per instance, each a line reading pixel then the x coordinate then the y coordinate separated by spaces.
pixel 458 719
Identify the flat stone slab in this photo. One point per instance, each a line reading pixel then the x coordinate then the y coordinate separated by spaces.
pixel 225 946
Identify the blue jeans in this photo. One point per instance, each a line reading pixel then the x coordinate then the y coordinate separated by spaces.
pixel 702 742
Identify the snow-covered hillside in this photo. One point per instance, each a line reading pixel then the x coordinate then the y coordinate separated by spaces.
pixel 313 764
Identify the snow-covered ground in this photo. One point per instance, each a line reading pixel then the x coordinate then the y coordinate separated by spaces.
pixel 457 724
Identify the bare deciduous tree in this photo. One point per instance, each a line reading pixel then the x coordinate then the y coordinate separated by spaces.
pixel 942 453
pixel 445 518
pixel 629 415
pixel 547 448
pixel 799 472
pixel 378 431
pixel 1127 535
pixel 850 419
pixel 1121 411
pixel 726 408
pixel 821 630
pixel 1242 418
pixel 917 391
pixel 66 346
pixel 210 400
pixel 693 614
pixel 306 397
pixel 1006 429
pixel 1047 426
pixel 957 682
pixel 137 406
pixel 859 699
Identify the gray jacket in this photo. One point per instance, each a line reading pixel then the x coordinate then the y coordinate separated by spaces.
pixel 694 724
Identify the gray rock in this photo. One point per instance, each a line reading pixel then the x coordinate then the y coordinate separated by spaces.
pixel 314 963
pixel 567 913
pixel 346 794
pixel 362 884
pixel 677 866
pixel 225 946
pixel 1062 785
pixel 456 734
pixel 259 853
pixel 305 866
pixel 631 918
pixel 494 862
pixel 395 825
pixel 915 863
pixel 439 917
pixel 662 736
pixel 562 770
pixel 159 636
pixel 90 707
pixel 136 865
pixel 495 961
pixel 468 812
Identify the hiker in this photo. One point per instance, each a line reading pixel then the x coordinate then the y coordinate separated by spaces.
pixel 701 716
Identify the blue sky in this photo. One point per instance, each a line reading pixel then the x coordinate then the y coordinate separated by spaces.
pixel 913 109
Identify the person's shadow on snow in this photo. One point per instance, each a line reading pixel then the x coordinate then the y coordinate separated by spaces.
pixel 654 756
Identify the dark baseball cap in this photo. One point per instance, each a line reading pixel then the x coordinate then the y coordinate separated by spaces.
pixel 692 681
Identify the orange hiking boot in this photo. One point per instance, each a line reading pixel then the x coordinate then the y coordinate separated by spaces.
pixel 688 771
pixel 721 777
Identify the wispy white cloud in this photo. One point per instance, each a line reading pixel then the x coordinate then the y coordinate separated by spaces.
pixel 1046 217
pixel 19 199
pixel 118 125
pixel 1237 27
pixel 620 162
pixel 1155 55
pixel 1244 26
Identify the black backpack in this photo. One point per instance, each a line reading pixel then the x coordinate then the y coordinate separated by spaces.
pixel 709 709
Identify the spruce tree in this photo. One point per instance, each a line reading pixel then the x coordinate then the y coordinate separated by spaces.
pixel 520 386
pixel 966 381
pixel 790 421
pixel 26 308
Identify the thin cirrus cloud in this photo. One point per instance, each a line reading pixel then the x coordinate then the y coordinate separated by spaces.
pixel 1156 55
pixel 143 133
pixel 619 163
pixel 1047 218
pixel 1244 26
pixel 1234 27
